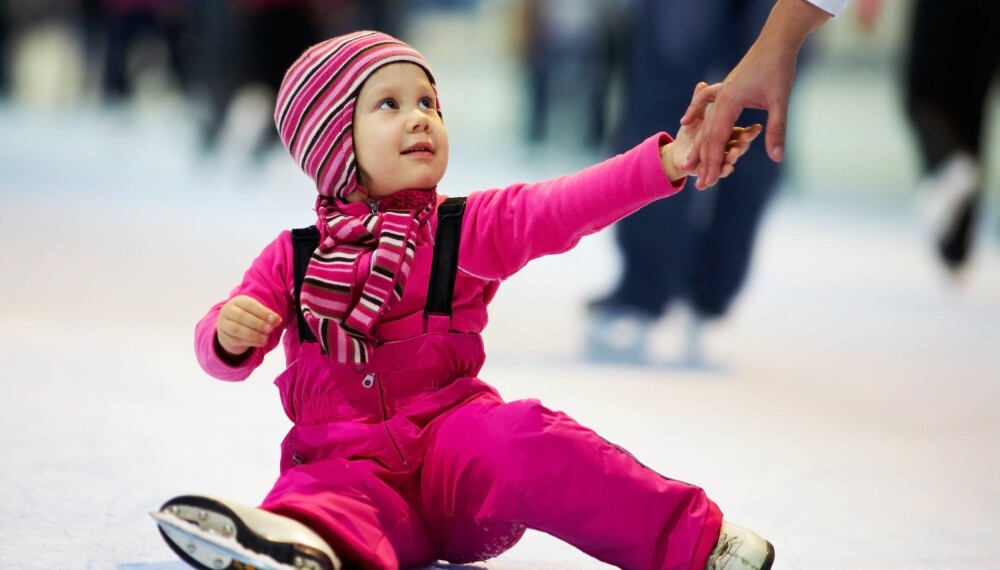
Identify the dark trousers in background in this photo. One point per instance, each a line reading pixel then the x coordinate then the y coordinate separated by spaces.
pixel 693 245
pixel 4 49
pixel 241 45
pixel 124 28
pixel 954 56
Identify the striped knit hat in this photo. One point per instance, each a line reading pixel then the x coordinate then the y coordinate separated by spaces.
pixel 315 117
pixel 315 108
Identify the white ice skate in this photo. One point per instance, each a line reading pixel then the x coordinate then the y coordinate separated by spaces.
pixel 941 193
pixel 617 335
pixel 212 534
pixel 740 549
pixel 949 200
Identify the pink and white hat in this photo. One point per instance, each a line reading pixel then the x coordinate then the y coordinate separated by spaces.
pixel 315 109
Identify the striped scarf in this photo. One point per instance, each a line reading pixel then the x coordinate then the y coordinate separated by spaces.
pixel 315 115
pixel 340 311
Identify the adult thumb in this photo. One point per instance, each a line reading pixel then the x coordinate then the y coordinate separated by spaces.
pixel 774 138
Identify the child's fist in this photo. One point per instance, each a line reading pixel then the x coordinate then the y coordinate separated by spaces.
pixel 244 323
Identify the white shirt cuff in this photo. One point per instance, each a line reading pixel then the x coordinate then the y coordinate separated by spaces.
pixel 834 7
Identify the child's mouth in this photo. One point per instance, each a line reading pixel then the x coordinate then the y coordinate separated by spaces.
pixel 419 148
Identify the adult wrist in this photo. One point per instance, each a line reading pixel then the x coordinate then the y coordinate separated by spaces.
pixel 791 22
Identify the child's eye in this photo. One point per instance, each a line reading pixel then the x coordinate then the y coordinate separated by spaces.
pixel 388 104
pixel 426 103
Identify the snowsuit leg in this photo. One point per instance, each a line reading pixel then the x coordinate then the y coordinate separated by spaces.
pixel 364 519
pixel 406 471
pixel 492 468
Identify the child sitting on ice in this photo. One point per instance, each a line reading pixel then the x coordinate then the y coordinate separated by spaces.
pixel 399 455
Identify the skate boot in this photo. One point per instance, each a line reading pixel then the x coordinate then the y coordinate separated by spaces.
pixel 949 200
pixel 617 334
pixel 212 534
pixel 740 549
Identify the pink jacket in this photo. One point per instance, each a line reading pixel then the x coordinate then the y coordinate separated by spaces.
pixel 503 229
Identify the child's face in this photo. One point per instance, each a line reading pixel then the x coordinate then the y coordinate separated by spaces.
pixel 399 139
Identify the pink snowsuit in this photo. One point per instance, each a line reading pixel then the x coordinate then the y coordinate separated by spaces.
pixel 412 459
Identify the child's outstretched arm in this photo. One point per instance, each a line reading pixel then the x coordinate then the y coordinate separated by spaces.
pixel 506 228
pixel 244 323
pixel 673 154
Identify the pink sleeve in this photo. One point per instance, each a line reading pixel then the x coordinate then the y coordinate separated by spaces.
pixel 505 229
pixel 269 280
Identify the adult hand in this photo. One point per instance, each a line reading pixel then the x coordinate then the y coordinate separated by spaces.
pixel 674 154
pixel 244 323
pixel 762 80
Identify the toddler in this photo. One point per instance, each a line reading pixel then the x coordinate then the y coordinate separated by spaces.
pixel 399 455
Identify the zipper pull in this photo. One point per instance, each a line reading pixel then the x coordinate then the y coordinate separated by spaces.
pixel 373 205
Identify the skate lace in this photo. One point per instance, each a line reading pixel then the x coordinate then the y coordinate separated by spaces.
pixel 725 551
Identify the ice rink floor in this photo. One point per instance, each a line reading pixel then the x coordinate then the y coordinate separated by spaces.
pixel 850 412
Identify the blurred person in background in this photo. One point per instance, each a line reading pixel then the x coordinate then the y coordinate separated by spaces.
pixel 569 50
pixel 697 247
pixel 388 16
pixel 247 44
pixel 5 25
pixel 953 57
pixel 41 57
pixel 123 24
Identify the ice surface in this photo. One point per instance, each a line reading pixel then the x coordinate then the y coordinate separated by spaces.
pixel 849 414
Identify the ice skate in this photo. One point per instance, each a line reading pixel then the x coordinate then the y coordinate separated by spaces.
pixel 949 200
pixel 617 335
pixel 212 534
pixel 694 341
pixel 740 549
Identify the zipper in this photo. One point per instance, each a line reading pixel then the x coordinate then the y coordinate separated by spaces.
pixel 392 440
pixel 373 205
pixel 369 381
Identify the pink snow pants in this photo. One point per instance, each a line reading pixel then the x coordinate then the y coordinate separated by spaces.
pixel 413 460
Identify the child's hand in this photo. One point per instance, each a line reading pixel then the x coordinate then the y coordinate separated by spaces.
pixel 673 154
pixel 244 323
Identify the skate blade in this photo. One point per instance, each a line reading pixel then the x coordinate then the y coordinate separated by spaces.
pixel 209 549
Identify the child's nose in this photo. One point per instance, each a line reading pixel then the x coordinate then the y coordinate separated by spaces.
pixel 417 121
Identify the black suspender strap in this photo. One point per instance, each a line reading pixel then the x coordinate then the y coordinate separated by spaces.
pixel 304 243
pixel 441 289
pixel 444 269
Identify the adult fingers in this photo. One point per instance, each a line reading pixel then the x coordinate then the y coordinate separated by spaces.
pixel 696 112
pixel 774 140
pixel 703 95
pixel 718 127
